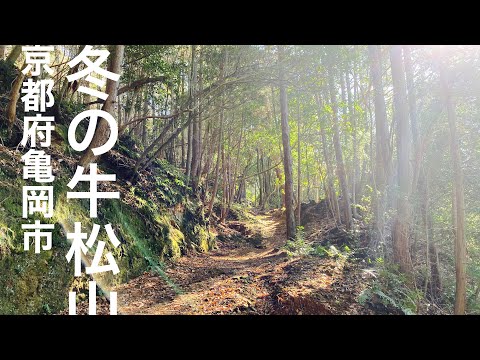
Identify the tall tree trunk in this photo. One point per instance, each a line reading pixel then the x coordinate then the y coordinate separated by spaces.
pixel 14 96
pixel 103 130
pixel 224 183
pixel 191 86
pixel 347 210
pixel 144 122
pixel 131 111
pixel 412 104
pixel 220 133
pixel 189 150
pixel 199 116
pixel 236 168
pixel 260 181
pixel 401 231
pixel 356 122
pixel 351 116
pixel 308 174
pixel 3 49
pixel 382 150
pixel 459 202
pixel 299 171
pixel 287 151
pixel 183 144
pixel 119 112
pixel 420 183
pixel 195 123
pixel 330 188
pixel 14 54
pixel 217 166
pixel 278 171
pixel 172 142
pixel 432 252
pixel 137 128
pixel 182 154
pixel 209 149
pixel 344 117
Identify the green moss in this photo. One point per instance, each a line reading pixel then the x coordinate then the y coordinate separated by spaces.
pixel 148 228
pixel 195 227
pixel 175 242
pixel 30 282
pixel 204 238
pixel 142 254
pixel 131 232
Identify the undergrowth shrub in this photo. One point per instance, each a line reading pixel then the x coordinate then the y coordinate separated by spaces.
pixel 392 288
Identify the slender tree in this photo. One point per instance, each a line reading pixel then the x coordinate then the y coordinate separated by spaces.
pixel 401 231
pixel 329 189
pixel 220 134
pixel 382 149
pixel 458 196
pixel 342 176
pixel 299 170
pixel 14 96
pixel 355 164
pixel 287 151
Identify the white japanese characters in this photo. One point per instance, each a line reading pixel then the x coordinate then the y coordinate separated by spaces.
pixel 37 199
pixel 103 260
pixel 38 195
pixel 92 67
pixel 93 195
pixel 37 234
pixel 38 95
pixel 37 166
pixel 93 116
pixel 37 59
pixel 78 247
pixel 34 129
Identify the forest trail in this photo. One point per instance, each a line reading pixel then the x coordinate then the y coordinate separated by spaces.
pixel 254 275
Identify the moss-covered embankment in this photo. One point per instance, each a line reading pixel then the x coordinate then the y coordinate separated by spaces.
pixel 156 219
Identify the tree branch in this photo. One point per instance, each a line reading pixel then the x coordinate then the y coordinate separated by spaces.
pixel 139 83
pixel 134 85
pixel 261 172
pixel 165 117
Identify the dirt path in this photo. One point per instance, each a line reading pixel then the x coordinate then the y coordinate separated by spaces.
pixel 243 277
